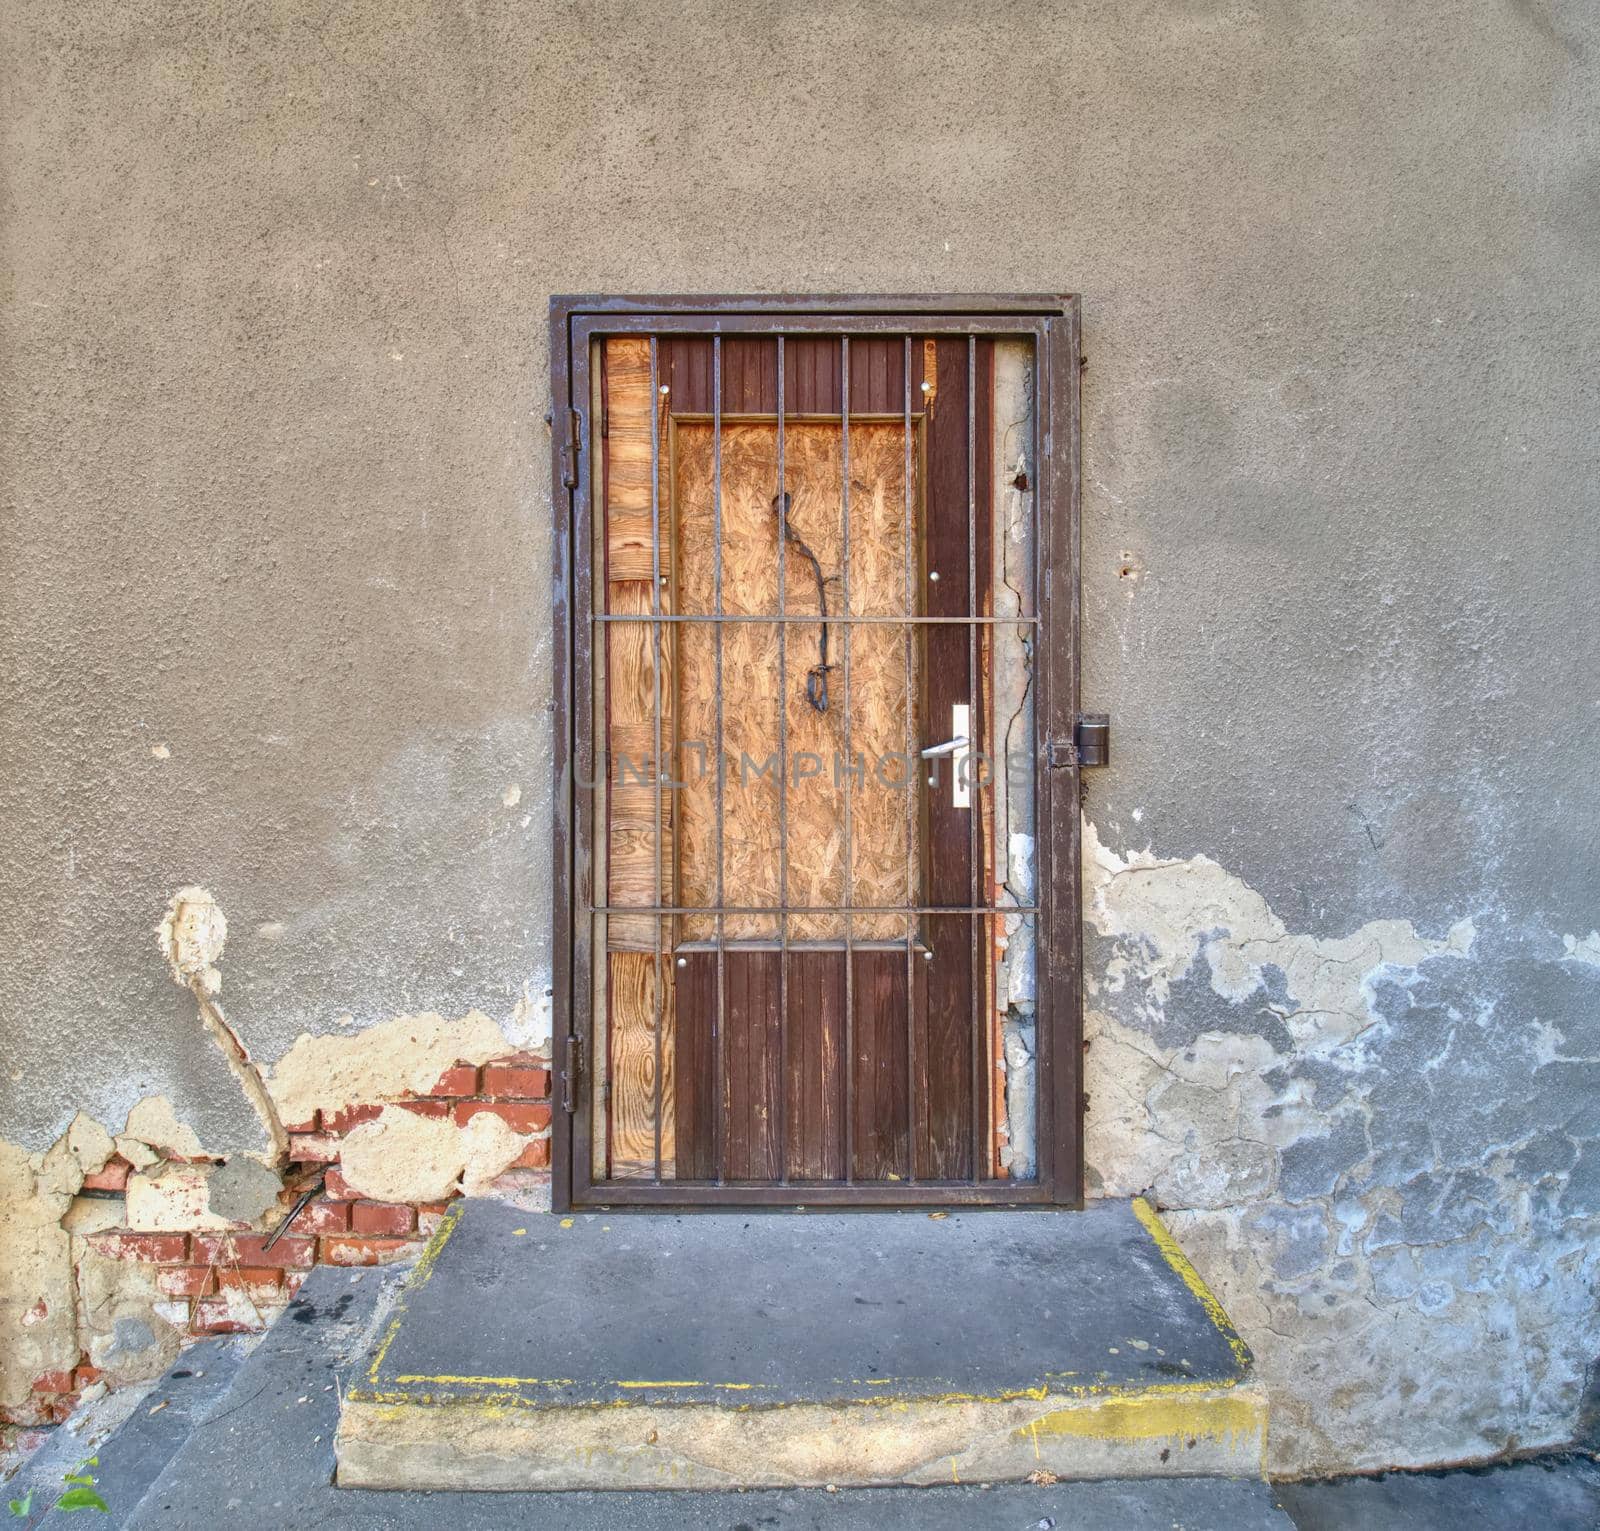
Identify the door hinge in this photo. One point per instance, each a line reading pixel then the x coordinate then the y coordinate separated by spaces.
pixel 571 444
pixel 570 1074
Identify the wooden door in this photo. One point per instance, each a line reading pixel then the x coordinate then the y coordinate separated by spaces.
pixel 817 935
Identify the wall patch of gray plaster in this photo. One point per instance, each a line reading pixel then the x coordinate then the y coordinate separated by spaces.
pixel 1411 1248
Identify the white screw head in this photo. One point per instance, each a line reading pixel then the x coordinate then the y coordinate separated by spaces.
pixel 927 954
pixel 927 387
pixel 933 576
pixel 683 962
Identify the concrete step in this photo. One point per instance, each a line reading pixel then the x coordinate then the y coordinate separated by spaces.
pixel 607 1352
pixel 262 1456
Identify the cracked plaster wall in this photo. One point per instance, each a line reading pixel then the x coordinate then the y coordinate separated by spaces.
pixel 276 569
pixel 1382 1149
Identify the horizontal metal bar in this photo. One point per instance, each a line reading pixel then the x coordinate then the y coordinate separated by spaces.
pixel 796 417
pixel 769 326
pixel 665 909
pixel 810 619
pixel 800 1194
pixel 577 305
pixel 741 944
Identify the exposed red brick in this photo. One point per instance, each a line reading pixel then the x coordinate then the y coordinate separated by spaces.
pixel 462 1079
pixel 520 1116
pixel 293 1281
pixel 313 1148
pixel 340 1250
pixel 57 1407
pixel 53 1382
pixel 247 1249
pixel 213 1316
pixel 308 1125
pixel 249 1277
pixel 515 1081
pixel 322 1217
pixel 380 1217
pixel 114 1177
pixel 536 1156
pixel 160 1248
pixel 187 1281
pixel 337 1188
pixel 85 1376
pixel 426 1107
pixel 351 1116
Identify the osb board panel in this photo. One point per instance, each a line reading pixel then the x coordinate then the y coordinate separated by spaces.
pixel 633 1022
pixel 819 744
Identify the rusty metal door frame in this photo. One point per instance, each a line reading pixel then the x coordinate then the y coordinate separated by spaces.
pixel 1052 322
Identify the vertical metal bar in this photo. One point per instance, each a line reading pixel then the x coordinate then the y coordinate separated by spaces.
pixel 783 810
pixel 655 609
pixel 720 1060
pixel 976 922
pixel 848 1042
pixel 913 792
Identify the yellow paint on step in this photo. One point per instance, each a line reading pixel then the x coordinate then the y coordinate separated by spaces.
pixel 419 1279
pixel 566 1222
pixel 1191 1278
pixel 1222 1416
pixel 517 1233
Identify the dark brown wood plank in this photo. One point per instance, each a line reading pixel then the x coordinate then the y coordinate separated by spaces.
pixel 877 370
pixel 750 1138
pixel 942 1146
pixel 814 1088
pixel 878 1082
pixel 685 368
pixel 811 375
pixel 696 1069
pixel 749 375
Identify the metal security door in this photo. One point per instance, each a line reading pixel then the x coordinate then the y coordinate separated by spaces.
pixel 817 928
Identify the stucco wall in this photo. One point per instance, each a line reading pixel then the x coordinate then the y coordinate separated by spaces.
pixel 275 569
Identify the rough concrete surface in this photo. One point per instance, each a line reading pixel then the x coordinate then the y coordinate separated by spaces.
pixel 276 575
pixel 616 1352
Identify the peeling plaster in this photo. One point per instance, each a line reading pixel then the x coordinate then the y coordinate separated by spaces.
pixel 405 1055
pixel 403 1156
pixel 192 934
pixel 1380 1149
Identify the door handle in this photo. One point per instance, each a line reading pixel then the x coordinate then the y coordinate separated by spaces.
pixel 956 747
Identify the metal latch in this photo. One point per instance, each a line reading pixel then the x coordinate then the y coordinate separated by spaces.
pixel 570 1073
pixel 1092 736
pixel 1089 746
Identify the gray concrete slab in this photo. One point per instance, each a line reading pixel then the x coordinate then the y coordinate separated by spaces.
pixel 764 1309
pixel 265 1459
pixel 133 1433
pixel 615 1352
pixel 1554 1493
